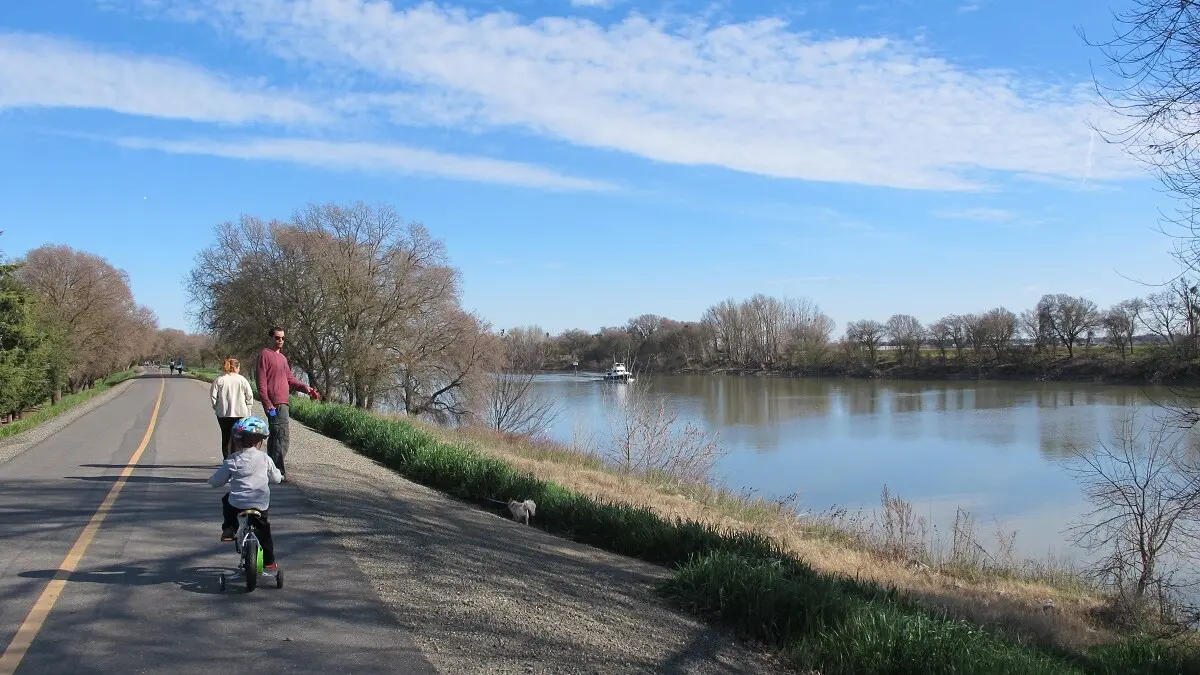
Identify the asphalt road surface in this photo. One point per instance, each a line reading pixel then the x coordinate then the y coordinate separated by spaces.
pixel 101 573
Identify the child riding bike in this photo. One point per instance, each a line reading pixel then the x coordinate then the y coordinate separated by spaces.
pixel 249 471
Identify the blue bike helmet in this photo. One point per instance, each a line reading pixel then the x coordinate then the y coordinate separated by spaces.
pixel 253 428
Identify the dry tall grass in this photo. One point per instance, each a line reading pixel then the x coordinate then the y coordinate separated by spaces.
pixel 1042 601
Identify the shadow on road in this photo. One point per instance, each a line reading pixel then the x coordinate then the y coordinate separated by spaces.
pixel 205 467
pixel 139 479
pixel 193 579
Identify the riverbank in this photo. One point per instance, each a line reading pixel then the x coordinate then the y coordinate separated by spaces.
pixel 826 594
pixel 1098 365
pixel 483 595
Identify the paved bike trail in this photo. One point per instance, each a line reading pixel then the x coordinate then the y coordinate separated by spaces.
pixel 144 596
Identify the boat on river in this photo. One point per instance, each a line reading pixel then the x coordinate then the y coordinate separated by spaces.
pixel 618 373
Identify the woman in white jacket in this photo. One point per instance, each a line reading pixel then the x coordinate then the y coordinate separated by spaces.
pixel 231 398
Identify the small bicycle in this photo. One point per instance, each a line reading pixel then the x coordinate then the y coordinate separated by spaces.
pixel 245 542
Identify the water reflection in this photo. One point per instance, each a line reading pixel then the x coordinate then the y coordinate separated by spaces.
pixel 839 441
pixel 864 399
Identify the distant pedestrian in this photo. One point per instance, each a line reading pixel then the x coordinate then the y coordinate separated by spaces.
pixel 231 397
pixel 275 385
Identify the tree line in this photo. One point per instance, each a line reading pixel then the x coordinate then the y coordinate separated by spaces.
pixel 370 304
pixel 68 319
pixel 769 333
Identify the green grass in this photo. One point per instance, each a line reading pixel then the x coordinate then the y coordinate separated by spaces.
pixel 740 580
pixel 837 626
pixel 206 374
pixel 64 404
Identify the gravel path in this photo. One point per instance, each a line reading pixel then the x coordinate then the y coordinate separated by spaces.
pixel 14 445
pixel 483 594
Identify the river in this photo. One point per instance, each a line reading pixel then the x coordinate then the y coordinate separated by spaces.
pixel 998 449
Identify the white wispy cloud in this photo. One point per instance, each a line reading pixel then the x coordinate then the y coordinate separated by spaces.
pixel 982 213
pixel 39 71
pixel 755 96
pixel 591 3
pixel 372 157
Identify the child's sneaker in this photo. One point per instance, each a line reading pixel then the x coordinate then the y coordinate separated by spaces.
pixel 227 535
pixel 272 567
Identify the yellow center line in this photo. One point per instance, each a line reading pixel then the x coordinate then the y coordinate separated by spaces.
pixel 41 609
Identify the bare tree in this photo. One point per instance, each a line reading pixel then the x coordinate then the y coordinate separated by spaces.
pixel 1173 316
pixel 1070 317
pixel 958 333
pixel 648 439
pixel 615 344
pixel 1120 322
pixel 528 348
pixel 866 334
pixel 1034 324
pixel 729 328
pixel 440 363
pixel 906 332
pixel 574 342
pixel 371 305
pixel 1145 499
pixel 808 329
pixel 976 331
pixel 764 329
pixel 1154 55
pixel 941 335
pixel 514 406
pixel 999 327
pixel 643 331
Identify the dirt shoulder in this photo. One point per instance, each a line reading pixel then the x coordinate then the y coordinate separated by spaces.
pixel 482 594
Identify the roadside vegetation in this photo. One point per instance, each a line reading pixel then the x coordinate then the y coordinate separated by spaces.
pixel 50 411
pixel 69 327
pixel 210 374
pixel 828 597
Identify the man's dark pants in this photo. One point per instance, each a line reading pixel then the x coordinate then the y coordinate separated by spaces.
pixel 277 442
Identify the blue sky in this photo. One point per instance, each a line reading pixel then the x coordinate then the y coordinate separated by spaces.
pixel 588 161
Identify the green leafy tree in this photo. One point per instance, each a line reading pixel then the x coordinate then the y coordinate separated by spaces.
pixel 24 350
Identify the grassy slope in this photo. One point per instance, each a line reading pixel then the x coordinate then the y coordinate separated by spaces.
pixel 741 579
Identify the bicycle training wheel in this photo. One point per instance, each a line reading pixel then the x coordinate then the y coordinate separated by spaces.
pixel 253 563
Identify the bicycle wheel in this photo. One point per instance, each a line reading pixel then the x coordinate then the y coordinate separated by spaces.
pixel 252 561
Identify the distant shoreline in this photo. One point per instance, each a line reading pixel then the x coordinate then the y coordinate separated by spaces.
pixel 1100 369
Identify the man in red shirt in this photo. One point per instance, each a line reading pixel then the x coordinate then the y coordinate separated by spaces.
pixel 275 385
